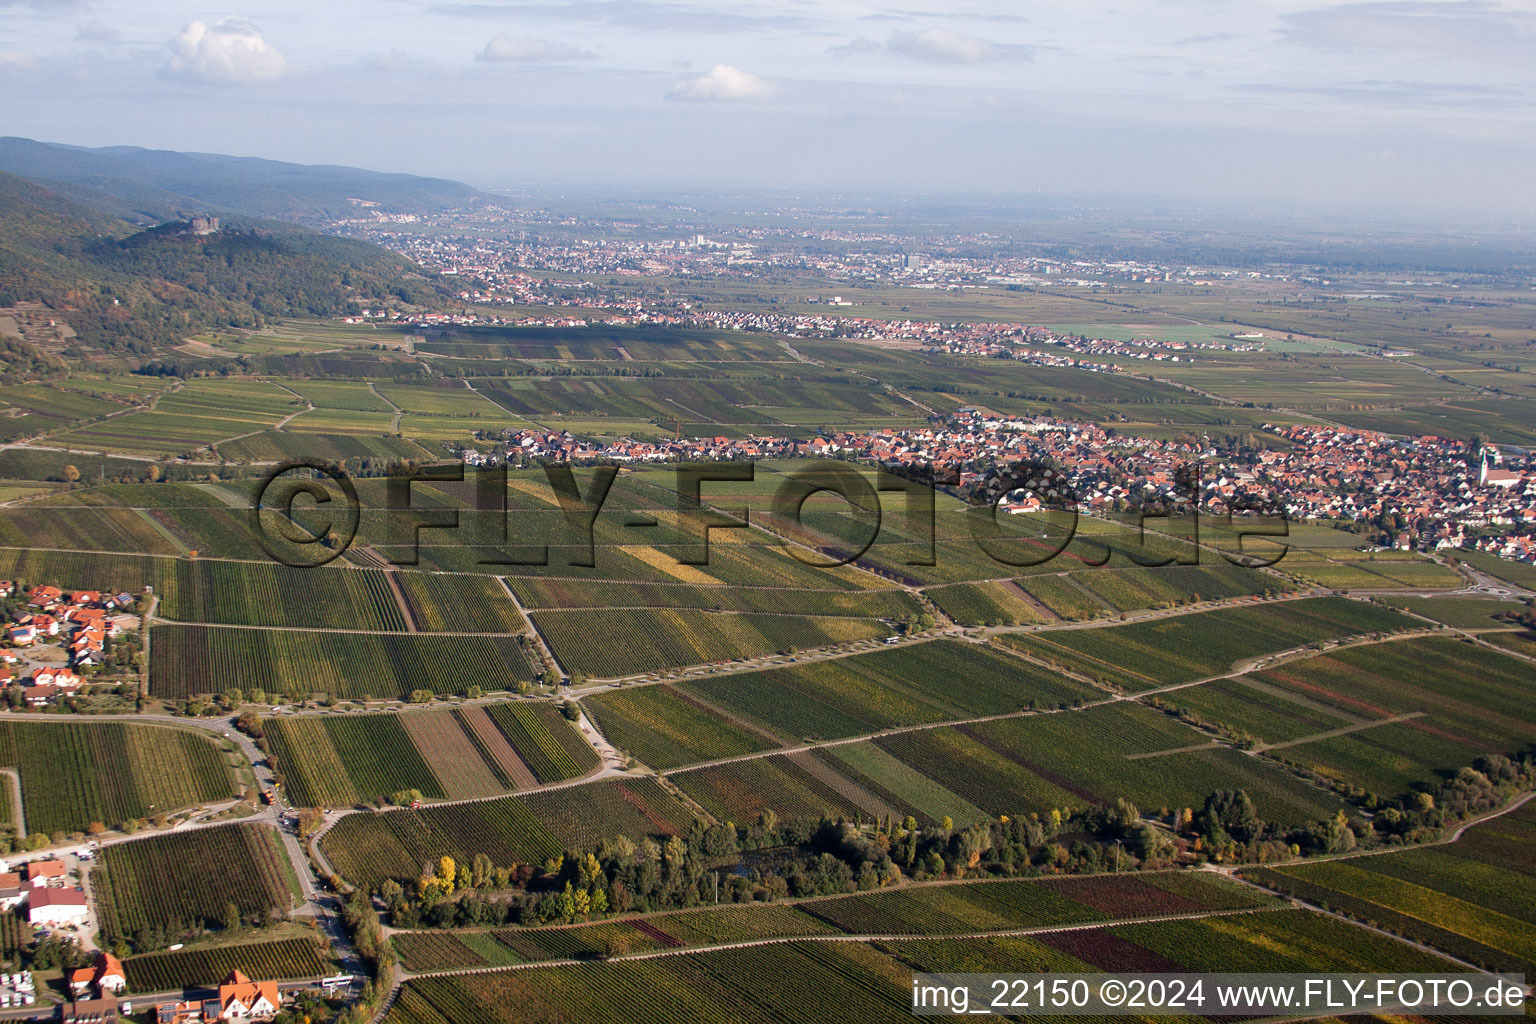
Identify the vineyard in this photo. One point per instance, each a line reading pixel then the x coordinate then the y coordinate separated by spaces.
pixel 482 750
pixel 671 726
pixel 948 909
pixel 1030 903
pixel 102 571
pixel 459 604
pixel 1133 589
pixel 1184 648
pixel 993 603
pixel 536 593
pixel 1034 763
pixel 187 660
pixel 181 879
pixel 629 641
pixel 1473 899
pixel 871 981
pixel 75 773
pixel 1270 941
pixel 1469 701
pixel 368 848
pixel 193 968
pixel 269 594
pixel 815 982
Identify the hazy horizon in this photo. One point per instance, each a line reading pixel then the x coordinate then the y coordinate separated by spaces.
pixel 1417 107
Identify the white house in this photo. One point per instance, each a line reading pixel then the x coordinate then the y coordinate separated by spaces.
pixel 57 906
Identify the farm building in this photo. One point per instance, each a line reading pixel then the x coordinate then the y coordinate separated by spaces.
pixel 104 976
pixel 239 998
pixel 57 906
pixel 45 872
pixel 89 1011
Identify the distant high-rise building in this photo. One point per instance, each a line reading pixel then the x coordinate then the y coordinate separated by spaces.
pixel 912 262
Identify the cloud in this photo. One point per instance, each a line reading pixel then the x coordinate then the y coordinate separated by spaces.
pixel 935 46
pixel 231 50
pixel 641 15
pixel 97 32
pixel 44 5
pixel 531 51
pixel 855 47
pixel 722 83
pixel 14 60
pixel 1467 29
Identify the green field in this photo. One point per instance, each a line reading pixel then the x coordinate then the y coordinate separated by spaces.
pixel 187 660
pixel 666 727
pixel 367 848
pixel 958 908
pixel 475 751
pixel 170 883
pixel 1465 701
pixel 194 968
pixel 1035 763
pixel 1183 648
pixel 76 773
pixel 871 981
pixel 1472 898
pixel 631 641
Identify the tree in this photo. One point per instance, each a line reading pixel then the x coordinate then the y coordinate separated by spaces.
pixel 71 474
pixel 421 696
pixel 310 820
pixel 231 918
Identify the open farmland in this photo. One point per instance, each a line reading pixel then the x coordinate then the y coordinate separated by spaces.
pixel 666 727
pixel 458 604
pixel 197 415
pixel 76 773
pixel 993 603
pixel 1034 763
pixel 367 848
pixel 1442 702
pixel 158 883
pixel 1183 648
pixel 186 660
pixel 1276 940
pixel 284 958
pixel 630 641
pixel 535 594
pixel 1472 898
pixel 953 908
pixel 333 761
pixel 104 571
pixel 268 594
pixel 871 981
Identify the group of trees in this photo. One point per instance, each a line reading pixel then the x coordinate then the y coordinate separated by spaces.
pixel 774 859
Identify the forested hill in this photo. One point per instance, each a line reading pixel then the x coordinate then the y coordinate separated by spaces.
pixel 132 293
pixel 149 185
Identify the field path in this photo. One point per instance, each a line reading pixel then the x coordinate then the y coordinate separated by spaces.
pixel 871 937
pixel 532 630
pixel 411 625
pixel 1331 733
pixel 20 813
pixel 394 424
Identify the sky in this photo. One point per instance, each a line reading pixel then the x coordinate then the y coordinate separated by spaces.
pixel 1391 104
